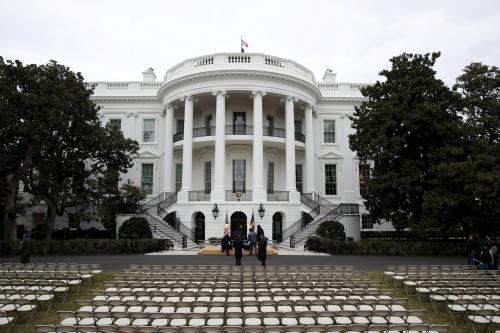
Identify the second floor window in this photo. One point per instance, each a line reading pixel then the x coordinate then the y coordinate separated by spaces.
pixel 299 180
pixel 239 123
pixel 239 177
pixel 180 126
pixel 270 177
pixel 148 134
pixel 178 177
pixel 115 124
pixel 364 175
pixel 329 131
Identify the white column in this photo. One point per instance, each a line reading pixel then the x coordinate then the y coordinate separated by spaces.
pixel 309 173
pixel 218 192
pixel 259 193
pixel 168 155
pixel 187 149
pixel 290 149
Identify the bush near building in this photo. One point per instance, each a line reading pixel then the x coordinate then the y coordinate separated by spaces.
pixel 135 228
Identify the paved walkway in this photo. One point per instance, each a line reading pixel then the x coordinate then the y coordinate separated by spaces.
pixel 114 263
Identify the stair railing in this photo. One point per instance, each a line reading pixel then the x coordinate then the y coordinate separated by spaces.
pixel 306 199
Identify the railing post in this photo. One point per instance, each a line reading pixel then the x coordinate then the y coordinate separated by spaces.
pixel 184 241
pixel 292 241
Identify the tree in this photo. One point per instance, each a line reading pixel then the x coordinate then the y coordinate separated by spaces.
pixel 331 229
pixel 410 129
pixel 135 227
pixel 62 145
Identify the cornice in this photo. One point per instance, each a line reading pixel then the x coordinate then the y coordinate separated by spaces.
pixel 125 98
pixel 255 74
pixel 350 100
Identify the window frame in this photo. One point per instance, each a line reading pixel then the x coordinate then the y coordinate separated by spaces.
pixel 111 120
pixel 326 120
pixel 363 177
pixel 299 175
pixel 334 182
pixel 143 180
pixel 270 177
pixel 207 176
pixel 144 130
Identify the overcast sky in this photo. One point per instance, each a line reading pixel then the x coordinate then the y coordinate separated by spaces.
pixel 117 40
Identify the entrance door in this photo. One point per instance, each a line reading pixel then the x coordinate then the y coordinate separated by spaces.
pixel 238 225
pixel 199 227
pixel 277 227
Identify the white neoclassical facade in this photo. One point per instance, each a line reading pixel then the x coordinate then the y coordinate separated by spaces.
pixel 228 136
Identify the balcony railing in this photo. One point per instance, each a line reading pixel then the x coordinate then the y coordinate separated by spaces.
pixel 239 130
pixel 203 131
pixel 300 137
pixel 238 196
pixel 178 136
pixel 278 196
pixel 199 196
pixel 275 132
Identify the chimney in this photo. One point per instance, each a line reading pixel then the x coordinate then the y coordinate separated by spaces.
pixel 148 75
pixel 329 76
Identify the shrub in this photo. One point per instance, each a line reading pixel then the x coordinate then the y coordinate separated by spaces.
pixel 87 246
pixel 331 230
pixel 135 227
pixel 387 247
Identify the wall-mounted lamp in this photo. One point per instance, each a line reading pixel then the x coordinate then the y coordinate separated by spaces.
pixel 215 211
pixel 262 211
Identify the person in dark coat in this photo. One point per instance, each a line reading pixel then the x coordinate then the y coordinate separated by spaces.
pixel 25 248
pixel 262 251
pixel 259 232
pixel 224 243
pixel 238 250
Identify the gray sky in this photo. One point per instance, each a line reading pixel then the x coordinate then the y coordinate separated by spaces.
pixel 117 40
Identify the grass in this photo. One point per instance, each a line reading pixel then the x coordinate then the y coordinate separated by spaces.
pixel 42 317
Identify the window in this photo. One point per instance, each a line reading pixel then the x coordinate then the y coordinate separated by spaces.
pixel 147 178
pixel 239 176
pixel 239 123
pixel 148 134
pixel 330 179
pixel 73 221
pixel 38 219
pixel 178 177
pixel 270 177
pixel 364 175
pixel 329 131
pixel 115 124
pixel 208 125
pixel 180 126
pixel 367 221
pixel 208 177
pixel 298 177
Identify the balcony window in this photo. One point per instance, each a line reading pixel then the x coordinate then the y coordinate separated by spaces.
pixel 239 123
pixel 329 131
pixel 147 178
pixel 180 126
pixel 270 126
pixel 330 179
pixel 148 134
pixel 208 125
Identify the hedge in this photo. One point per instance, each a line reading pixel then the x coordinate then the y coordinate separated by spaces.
pixel 387 247
pixel 86 246
pixel 411 235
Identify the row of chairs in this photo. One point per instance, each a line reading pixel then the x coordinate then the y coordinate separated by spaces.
pixel 240 278
pixel 238 296
pixel 344 317
pixel 49 267
pixel 333 305
pixel 353 328
pixel 230 268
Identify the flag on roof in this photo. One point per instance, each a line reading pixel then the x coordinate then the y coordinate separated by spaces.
pixel 243 45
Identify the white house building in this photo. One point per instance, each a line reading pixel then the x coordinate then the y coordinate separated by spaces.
pixel 228 136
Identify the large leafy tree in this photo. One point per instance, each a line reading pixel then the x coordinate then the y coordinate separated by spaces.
pixel 64 145
pixel 408 127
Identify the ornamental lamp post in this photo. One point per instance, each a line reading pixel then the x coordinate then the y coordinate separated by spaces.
pixel 215 211
pixel 261 211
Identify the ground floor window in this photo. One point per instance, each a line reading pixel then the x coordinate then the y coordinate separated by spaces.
pixel 208 177
pixel 239 176
pixel 147 178
pixel 270 177
pixel 73 221
pixel 38 219
pixel 330 179
pixel 367 221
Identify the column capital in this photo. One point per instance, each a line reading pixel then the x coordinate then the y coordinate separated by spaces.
pixel 186 98
pixel 258 92
pixel 219 92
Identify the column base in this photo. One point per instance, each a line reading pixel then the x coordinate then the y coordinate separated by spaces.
pixel 259 195
pixel 218 195
pixel 183 196
pixel 294 196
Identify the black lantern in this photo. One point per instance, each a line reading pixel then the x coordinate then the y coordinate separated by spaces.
pixel 215 211
pixel 261 211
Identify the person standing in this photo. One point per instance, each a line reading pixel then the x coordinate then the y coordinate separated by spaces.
pixel 262 251
pixel 259 232
pixel 225 243
pixel 252 241
pixel 238 250
pixel 25 248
